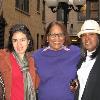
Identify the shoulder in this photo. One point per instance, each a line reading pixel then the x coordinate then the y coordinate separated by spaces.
pixel 37 52
pixel 4 52
pixel 29 56
pixel 4 60
pixel 74 48
pixel 30 59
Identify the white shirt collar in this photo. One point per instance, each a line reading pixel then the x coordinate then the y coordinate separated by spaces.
pixel 90 53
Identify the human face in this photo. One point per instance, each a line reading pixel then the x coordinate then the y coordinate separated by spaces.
pixel 90 41
pixel 56 38
pixel 20 43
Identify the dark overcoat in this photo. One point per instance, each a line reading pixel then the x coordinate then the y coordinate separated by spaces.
pixel 92 88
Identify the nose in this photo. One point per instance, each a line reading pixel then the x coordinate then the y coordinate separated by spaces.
pixel 86 36
pixel 57 37
pixel 18 43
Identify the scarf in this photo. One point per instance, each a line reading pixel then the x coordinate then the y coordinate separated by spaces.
pixel 29 91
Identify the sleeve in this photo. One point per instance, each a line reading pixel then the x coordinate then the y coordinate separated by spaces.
pixel 2 88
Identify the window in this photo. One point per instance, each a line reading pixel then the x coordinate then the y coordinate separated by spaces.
pixel 42 36
pixel 38 6
pixel 89 10
pixel 37 41
pixel 23 5
pixel 43 12
pixel 2 30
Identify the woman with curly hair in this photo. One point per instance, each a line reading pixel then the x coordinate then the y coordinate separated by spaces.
pixel 17 66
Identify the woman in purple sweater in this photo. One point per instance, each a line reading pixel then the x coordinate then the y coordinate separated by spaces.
pixel 56 64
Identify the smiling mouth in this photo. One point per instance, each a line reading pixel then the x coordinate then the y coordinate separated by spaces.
pixel 86 43
pixel 56 42
pixel 19 49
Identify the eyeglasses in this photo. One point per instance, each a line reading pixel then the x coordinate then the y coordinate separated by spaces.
pixel 53 35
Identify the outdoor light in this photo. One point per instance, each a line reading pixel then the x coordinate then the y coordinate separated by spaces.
pixel 63 7
pixel 71 4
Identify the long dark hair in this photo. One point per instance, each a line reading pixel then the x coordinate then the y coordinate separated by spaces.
pixel 19 28
pixel 63 28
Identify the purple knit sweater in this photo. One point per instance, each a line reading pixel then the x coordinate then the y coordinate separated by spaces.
pixel 56 69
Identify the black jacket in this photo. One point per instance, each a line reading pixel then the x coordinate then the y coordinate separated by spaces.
pixel 92 88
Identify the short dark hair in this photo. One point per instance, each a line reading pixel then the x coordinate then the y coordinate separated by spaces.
pixel 63 28
pixel 19 28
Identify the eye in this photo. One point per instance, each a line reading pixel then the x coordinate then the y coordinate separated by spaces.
pixel 14 40
pixel 23 39
pixel 56 34
pixel 61 34
pixel 92 34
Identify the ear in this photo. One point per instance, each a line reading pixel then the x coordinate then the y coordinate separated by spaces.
pixel 47 38
pixel 28 41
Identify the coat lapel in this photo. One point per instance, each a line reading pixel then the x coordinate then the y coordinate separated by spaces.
pixel 91 81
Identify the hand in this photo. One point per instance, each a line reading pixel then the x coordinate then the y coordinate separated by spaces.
pixel 74 85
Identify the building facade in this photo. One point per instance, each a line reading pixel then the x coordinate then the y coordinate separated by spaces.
pixel 36 15
pixel 90 10
pixel 28 12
